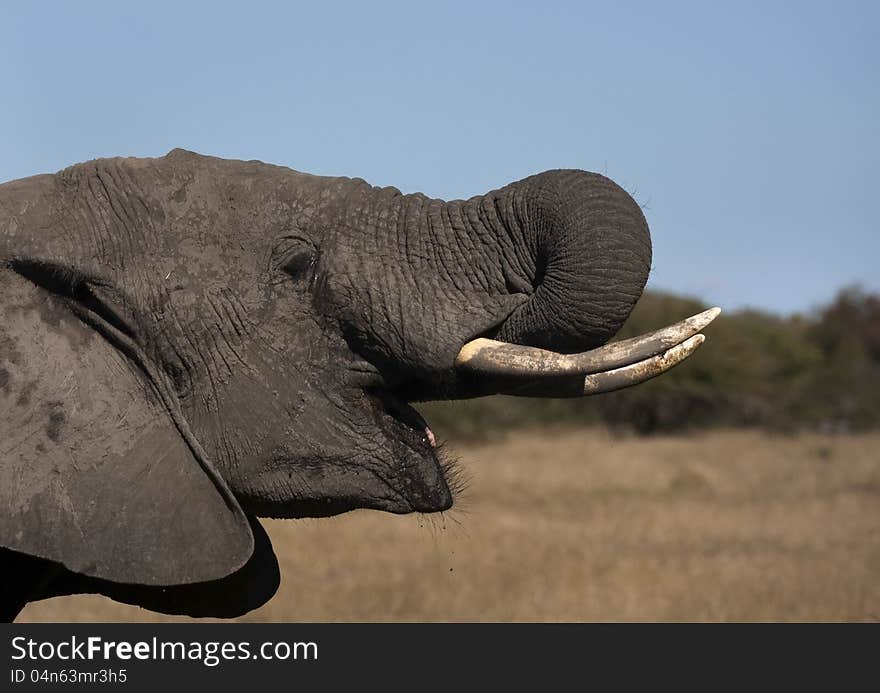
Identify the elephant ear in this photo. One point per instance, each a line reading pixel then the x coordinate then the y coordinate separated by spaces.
pixel 248 588
pixel 96 471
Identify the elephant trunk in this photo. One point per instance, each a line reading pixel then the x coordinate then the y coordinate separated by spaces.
pixel 579 246
pixel 495 294
pixel 583 253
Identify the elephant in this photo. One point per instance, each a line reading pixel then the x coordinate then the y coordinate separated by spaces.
pixel 189 343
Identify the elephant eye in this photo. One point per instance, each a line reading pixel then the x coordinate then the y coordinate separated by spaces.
pixel 295 256
pixel 299 264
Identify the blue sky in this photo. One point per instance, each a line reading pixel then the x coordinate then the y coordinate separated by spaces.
pixel 750 134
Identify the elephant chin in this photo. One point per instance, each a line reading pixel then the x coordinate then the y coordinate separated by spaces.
pixel 434 500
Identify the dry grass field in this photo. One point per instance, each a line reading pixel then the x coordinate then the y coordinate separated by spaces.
pixel 582 526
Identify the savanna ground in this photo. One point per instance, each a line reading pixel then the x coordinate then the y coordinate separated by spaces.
pixel 584 526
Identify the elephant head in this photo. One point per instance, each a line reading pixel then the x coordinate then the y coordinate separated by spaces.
pixel 187 343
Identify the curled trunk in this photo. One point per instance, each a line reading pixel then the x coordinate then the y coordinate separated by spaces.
pixel 583 251
pixel 555 261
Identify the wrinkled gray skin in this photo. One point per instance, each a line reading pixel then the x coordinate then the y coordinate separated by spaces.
pixel 189 342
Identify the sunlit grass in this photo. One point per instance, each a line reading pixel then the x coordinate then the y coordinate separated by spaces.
pixel 572 526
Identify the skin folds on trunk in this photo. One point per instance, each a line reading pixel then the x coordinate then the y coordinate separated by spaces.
pixel 591 254
pixel 555 261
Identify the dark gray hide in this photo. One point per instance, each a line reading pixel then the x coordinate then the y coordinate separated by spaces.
pixel 187 342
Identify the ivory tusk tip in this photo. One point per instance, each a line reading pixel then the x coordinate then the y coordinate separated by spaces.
pixel 641 371
pixel 700 320
pixel 681 351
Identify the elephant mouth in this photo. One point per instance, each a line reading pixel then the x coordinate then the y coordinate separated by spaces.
pixel 423 480
pixel 406 414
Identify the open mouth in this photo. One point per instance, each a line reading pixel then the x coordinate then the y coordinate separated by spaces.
pixel 401 410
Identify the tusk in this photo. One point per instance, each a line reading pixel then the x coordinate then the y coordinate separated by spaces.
pixel 490 357
pixel 608 381
pixel 636 373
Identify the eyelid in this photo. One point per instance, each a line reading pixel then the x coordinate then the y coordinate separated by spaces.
pixel 293 254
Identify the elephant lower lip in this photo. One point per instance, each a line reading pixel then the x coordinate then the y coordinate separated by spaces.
pixel 405 413
pixel 414 415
